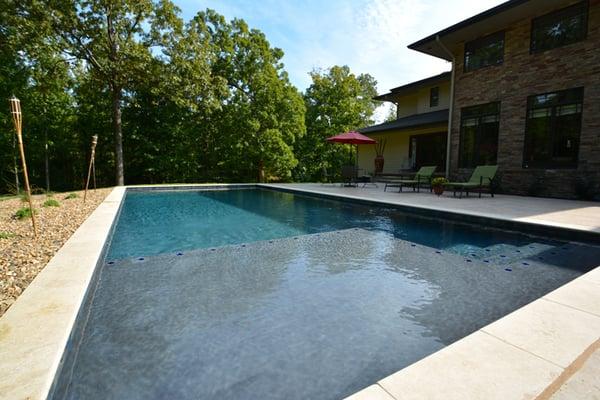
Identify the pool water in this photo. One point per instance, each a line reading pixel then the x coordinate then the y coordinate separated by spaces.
pixel 244 294
pixel 160 222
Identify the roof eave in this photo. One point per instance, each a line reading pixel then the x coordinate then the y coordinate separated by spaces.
pixel 429 44
pixel 408 128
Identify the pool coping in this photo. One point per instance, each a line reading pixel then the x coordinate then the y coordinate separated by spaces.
pixel 502 360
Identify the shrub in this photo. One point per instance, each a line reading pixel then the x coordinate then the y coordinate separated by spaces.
pixel 6 235
pixel 71 196
pixel 51 203
pixel 586 188
pixel 24 212
pixel 537 186
pixel 439 181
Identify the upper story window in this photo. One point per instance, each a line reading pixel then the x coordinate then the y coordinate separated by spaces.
pixel 485 51
pixel 559 28
pixel 479 127
pixel 434 96
pixel 553 129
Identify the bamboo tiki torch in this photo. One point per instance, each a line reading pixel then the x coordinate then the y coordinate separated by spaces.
pixel 92 155
pixel 15 110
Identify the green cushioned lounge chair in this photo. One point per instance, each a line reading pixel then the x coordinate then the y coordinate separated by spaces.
pixel 481 179
pixel 422 177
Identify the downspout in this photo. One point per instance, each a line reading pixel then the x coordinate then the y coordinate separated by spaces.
pixel 451 108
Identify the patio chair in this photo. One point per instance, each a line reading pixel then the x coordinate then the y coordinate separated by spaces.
pixel 481 178
pixel 423 176
pixel 327 177
pixel 349 175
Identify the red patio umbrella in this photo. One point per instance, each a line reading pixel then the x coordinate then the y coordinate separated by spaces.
pixel 352 137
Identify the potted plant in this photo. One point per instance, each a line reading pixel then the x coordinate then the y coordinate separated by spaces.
pixel 379 160
pixel 438 185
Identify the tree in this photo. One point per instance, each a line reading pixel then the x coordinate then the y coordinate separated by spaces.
pixel 35 71
pixel 263 114
pixel 392 113
pixel 113 39
pixel 337 101
pixel 257 115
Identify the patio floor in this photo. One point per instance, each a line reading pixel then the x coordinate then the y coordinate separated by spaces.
pixel 572 214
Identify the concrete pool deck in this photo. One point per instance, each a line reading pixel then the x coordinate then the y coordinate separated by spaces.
pixel 529 353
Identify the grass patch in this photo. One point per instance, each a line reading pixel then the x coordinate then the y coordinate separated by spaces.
pixel 6 235
pixel 24 212
pixel 71 196
pixel 51 203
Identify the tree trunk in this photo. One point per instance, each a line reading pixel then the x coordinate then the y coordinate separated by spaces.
pixel 117 128
pixel 261 171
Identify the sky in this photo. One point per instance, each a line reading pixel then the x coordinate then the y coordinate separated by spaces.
pixel 370 36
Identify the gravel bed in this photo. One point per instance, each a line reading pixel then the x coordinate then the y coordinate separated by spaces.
pixel 22 256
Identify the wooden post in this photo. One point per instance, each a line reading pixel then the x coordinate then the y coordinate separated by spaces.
pixel 92 155
pixel 15 110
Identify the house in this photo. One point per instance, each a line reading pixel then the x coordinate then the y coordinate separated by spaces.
pixel 525 94
pixel 419 134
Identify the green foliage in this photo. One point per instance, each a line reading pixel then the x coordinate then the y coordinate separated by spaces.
pixel 6 235
pixel 337 101
pixel 392 114
pixel 439 181
pixel 24 212
pixel 71 196
pixel 207 100
pixel 51 203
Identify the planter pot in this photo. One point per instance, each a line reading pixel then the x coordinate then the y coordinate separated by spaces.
pixel 379 161
pixel 438 190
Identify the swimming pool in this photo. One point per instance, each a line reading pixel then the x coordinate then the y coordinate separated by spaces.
pixel 262 294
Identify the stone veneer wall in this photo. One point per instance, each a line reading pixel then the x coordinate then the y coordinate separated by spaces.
pixel 521 75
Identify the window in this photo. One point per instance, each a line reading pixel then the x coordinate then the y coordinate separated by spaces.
pixel 559 28
pixel 484 52
pixel 434 97
pixel 479 135
pixel 553 129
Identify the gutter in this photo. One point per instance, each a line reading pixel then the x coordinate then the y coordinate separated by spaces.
pixel 451 105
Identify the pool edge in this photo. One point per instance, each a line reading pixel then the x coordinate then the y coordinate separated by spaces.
pixel 42 345
pixel 35 330
pixel 540 228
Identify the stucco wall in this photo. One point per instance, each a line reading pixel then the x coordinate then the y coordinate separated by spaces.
pixel 418 102
pixel 396 149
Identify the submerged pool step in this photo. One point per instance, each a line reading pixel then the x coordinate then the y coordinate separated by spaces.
pixel 358 304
